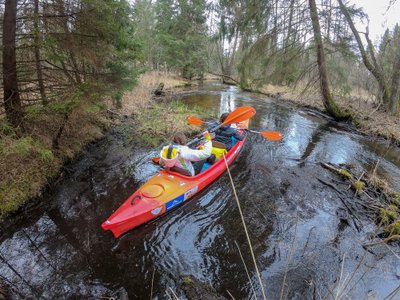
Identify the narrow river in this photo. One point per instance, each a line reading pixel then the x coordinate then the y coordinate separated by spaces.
pixel 305 248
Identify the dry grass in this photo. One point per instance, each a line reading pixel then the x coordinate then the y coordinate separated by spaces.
pixel 368 115
pixel 158 123
pixel 300 95
pixel 140 97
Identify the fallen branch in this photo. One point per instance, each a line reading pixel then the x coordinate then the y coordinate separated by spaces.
pixel 384 241
pixel 225 76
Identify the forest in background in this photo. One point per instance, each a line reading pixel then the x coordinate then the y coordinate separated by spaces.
pixel 64 60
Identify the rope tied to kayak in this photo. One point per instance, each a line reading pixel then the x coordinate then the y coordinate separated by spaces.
pixel 245 229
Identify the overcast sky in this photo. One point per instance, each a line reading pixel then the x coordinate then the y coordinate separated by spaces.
pixel 380 17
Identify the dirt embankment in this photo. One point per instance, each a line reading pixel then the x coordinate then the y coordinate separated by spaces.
pixel 369 116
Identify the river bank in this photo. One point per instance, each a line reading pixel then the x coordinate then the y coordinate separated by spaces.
pixel 368 114
pixel 33 162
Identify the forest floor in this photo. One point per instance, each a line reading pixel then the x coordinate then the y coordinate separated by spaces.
pixel 369 116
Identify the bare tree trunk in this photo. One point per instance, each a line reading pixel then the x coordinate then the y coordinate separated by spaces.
pixel 394 105
pixel 329 104
pixel 12 101
pixel 289 30
pixel 371 66
pixel 329 21
pixel 275 29
pixel 229 68
pixel 37 53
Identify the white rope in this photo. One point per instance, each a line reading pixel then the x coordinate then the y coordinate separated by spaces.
pixel 245 230
pixel 247 271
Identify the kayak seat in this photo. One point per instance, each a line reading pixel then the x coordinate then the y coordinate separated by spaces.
pixel 180 171
pixel 217 144
pixel 234 140
pixel 205 167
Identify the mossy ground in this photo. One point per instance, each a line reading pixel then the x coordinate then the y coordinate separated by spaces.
pixel 29 162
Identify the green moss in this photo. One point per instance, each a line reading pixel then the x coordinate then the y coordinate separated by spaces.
pixel 34 111
pixel 6 129
pixel 12 195
pixel 187 280
pixel 346 174
pixel 46 155
pixel 394 228
pixel 359 185
pixel 387 215
pixel 22 146
pixel 396 198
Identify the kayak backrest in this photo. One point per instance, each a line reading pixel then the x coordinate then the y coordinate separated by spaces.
pixel 217 144
pixel 180 171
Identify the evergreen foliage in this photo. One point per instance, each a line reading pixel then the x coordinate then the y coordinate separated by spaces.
pixel 181 36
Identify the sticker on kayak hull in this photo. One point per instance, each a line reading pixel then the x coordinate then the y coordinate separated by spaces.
pixel 174 202
pixel 156 211
pixel 191 192
pixel 181 198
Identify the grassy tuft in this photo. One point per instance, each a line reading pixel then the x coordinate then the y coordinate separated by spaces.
pixel 379 183
pixel 394 228
pixel 388 215
pixel 359 186
pixel 187 280
pixel 346 174
pixel 22 146
pixel 158 123
pixel 396 198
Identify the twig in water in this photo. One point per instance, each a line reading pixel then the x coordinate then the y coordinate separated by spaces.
pixel 289 259
pixel 392 294
pixel 340 278
pixel 233 298
pixel 388 239
pixel 245 230
pixel 247 271
pixel 173 293
pixel 353 274
pixel 152 282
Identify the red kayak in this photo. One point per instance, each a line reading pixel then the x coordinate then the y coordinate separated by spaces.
pixel 164 191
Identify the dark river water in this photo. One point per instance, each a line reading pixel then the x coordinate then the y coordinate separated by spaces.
pixel 303 248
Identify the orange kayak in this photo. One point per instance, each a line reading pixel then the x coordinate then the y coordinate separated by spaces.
pixel 165 191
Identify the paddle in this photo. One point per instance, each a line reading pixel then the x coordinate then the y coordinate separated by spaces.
pixel 271 135
pixel 238 115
